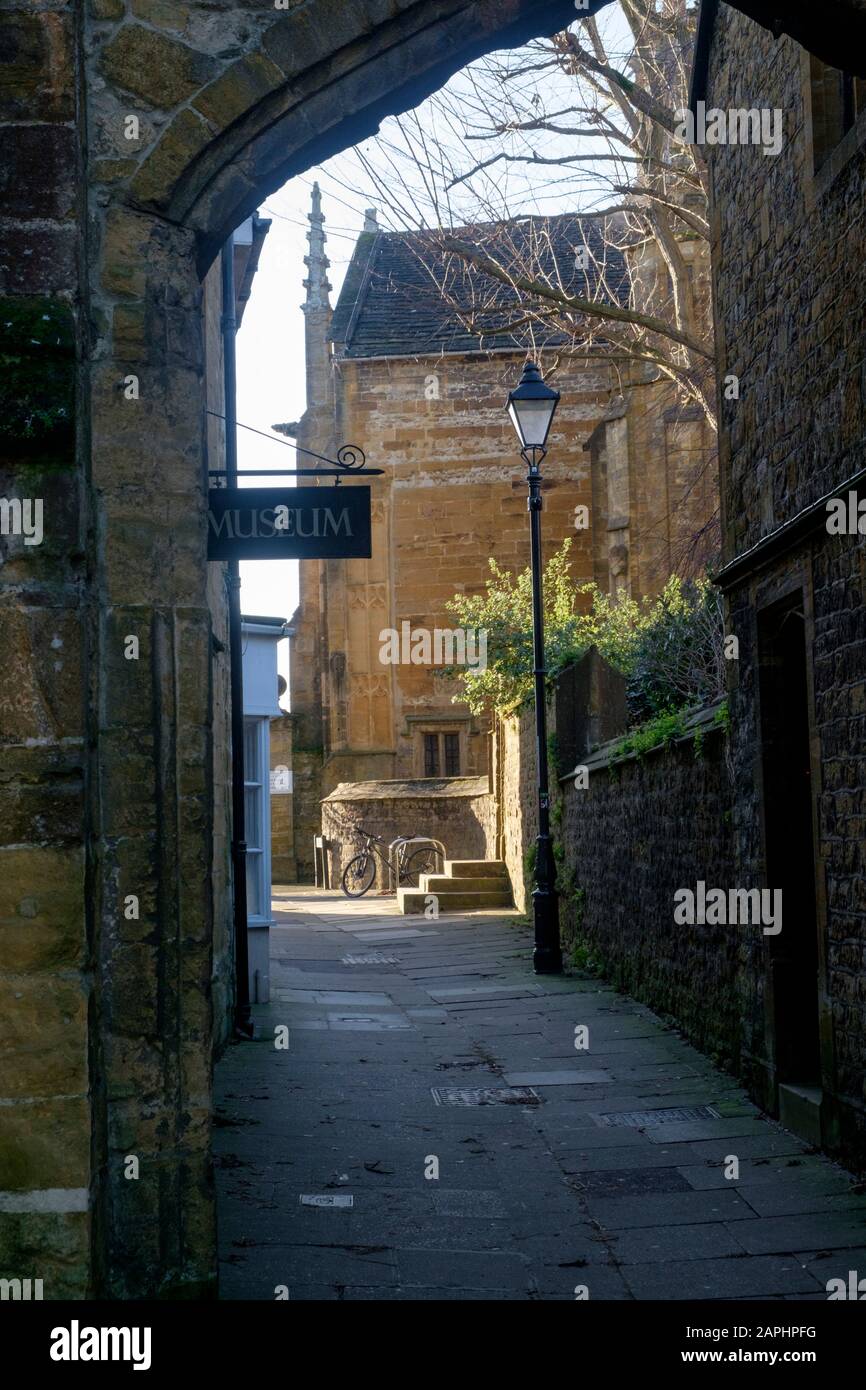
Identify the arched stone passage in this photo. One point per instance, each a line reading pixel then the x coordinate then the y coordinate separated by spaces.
pixel 218 132
pixel 314 81
pixel 311 81
pixel 112 792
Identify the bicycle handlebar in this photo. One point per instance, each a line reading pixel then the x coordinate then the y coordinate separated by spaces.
pixel 380 839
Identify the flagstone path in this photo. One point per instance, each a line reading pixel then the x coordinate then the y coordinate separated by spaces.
pixel 358 1163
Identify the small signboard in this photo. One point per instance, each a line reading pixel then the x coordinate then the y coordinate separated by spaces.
pixel 281 781
pixel 290 523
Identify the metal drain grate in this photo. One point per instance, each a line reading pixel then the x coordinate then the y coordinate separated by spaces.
pixel 485 1095
pixel 374 959
pixel 646 1119
pixel 327 1199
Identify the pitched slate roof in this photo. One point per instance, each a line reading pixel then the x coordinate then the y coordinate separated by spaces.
pixel 404 295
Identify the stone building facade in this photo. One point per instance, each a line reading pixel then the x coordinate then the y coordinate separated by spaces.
pixel 135 137
pixel 789 263
pixel 396 369
pixel 283 862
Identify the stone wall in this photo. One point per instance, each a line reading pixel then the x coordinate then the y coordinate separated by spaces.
pixel 643 828
pixel 455 810
pixel 790 291
pixel 46 922
pixel 284 868
pixel 586 707
pixel 453 496
pixel 189 115
pixel 223 962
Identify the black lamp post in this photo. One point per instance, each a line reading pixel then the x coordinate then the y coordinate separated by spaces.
pixel 531 407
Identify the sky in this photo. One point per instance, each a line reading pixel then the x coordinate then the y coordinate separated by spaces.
pixel 270 347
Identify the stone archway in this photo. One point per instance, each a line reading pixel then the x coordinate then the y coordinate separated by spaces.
pixel 219 130
pixel 108 233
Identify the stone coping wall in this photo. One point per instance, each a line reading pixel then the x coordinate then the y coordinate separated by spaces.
pixel 644 827
pixel 454 810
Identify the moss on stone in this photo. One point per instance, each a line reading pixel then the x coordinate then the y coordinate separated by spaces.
pixel 37 371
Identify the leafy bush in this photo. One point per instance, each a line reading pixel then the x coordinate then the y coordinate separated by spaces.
pixel 678 658
pixel 670 649
pixel 664 728
pixel 504 612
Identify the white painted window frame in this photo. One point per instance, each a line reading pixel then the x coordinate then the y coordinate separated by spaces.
pixel 259 856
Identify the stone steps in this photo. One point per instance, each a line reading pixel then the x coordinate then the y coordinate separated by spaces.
pixel 467 885
pixel 475 868
pixel 441 883
pixel 413 900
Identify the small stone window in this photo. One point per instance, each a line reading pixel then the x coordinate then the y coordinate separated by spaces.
pixel 431 755
pixel 452 754
pixel 441 754
pixel 838 99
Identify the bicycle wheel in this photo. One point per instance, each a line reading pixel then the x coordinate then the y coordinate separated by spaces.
pixel 423 861
pixel 359 875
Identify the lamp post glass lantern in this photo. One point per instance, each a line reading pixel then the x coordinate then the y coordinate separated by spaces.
pixel 532 407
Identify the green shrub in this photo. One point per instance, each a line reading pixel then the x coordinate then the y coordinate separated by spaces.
pixel 670 649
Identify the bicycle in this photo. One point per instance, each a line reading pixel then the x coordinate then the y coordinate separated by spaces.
pixel 359 874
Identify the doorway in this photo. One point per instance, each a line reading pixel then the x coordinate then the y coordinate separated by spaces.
pixel 789 843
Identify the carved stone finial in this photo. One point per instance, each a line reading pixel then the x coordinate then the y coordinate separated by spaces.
pixel 317 284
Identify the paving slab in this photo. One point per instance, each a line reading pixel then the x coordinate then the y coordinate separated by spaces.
pixel 735 1278
pixel 769 1235
pixel 652 1244
pixel 557 1078
pixel 500 1201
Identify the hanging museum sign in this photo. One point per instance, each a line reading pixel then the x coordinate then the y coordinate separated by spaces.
pixel 290 523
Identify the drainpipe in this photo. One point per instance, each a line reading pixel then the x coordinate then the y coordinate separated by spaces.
pixel 243 1019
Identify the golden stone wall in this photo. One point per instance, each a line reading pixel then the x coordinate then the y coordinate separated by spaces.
pixel 453 495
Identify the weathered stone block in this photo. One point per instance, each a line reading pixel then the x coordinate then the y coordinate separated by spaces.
pixel 153 550
pixel 295 43
pixel 112 170
pixel 166 14
pixel 128 784
pixel 41 694
pixel 129 334
pixel 43 1050
pixel 51 1246
pixel 237 89
pixel 186 137
pixel 133 993
pixel 107 9
pixel 37 73
pixel 37 260
pixel 124 253
pixel 42 794
pixel 44 1144
pixel 37 171
pixel 161 70
pixel 42 924
pixel 128 701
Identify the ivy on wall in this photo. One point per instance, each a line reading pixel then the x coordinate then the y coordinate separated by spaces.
pixel 37 374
